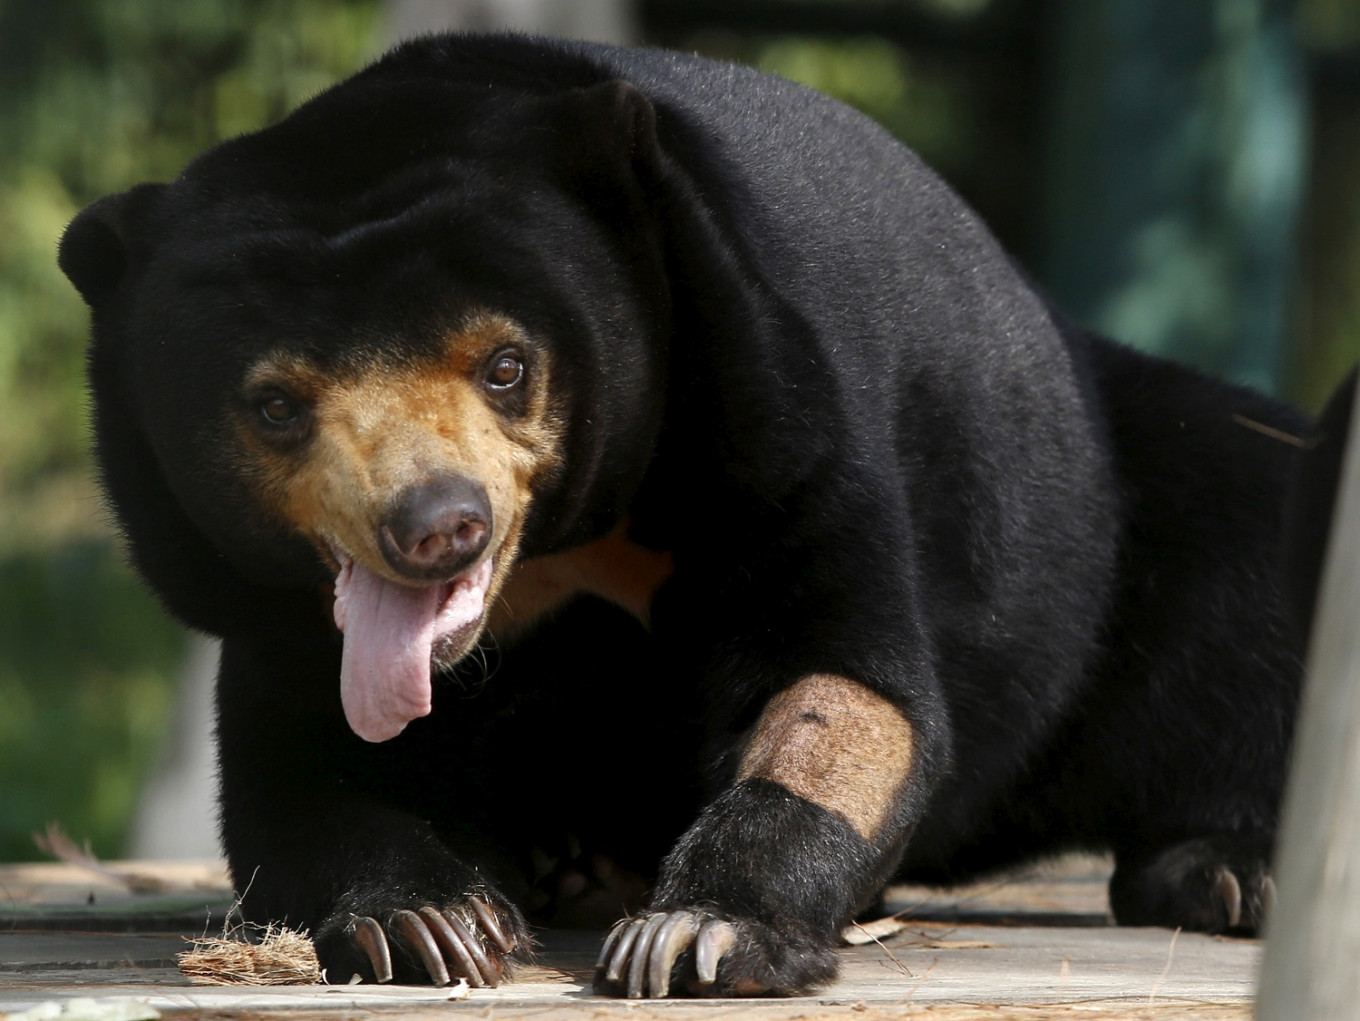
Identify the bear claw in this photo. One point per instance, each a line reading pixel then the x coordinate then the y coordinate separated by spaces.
pixel 714 941
pixel 674 935
pixel 416 936
pixel 373 942
pixel 445 943
pixel 640 953
pixel 1229 891
pixel 491 926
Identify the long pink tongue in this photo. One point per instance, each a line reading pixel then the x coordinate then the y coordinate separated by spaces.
pixel 385 668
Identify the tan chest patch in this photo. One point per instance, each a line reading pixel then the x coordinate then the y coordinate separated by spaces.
pixel 613 568
pixel 834 742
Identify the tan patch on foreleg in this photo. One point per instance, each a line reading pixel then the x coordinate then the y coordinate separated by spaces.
pixel 834 742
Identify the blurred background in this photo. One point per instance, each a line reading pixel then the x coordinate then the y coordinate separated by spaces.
pixel 1182 174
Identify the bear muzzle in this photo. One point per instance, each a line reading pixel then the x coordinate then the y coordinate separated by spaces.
pixel 436 529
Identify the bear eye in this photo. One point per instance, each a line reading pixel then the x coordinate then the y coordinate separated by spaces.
pixel 283 415
pixel 505 371
pixel 280 417
pixel 278 409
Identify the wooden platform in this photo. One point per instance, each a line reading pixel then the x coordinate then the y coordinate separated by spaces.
pixel 1035 946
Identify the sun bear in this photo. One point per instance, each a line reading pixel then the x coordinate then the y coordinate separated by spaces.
pixel 630 486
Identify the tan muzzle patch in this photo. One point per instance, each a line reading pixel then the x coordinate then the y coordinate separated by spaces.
pixel 377 430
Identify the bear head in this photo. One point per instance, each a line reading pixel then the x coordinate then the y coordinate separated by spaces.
pixel 398 341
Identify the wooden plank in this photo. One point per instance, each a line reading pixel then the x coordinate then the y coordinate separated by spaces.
pixel 938 965
pixel 922 966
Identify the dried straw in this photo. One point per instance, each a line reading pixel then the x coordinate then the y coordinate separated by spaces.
pixel 281 957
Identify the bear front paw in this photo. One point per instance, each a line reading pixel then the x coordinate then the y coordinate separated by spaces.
pixel 435 944
pixel 693 952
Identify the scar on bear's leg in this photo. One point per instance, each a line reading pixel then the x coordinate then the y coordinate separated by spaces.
pixel 835 743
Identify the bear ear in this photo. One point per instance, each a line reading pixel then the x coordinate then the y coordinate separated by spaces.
pixel 611 126
pixel 94 251
pixel 622 108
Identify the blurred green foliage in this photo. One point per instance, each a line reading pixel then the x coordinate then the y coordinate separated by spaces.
pixel 924 104
pixel 96 97
pixel 85 657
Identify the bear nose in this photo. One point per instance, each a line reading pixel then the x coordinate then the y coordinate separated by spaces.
pixel 437 528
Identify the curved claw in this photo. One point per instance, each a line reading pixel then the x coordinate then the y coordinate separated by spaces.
pixel 642 948
pixel 373 942
pixel 490 973
pixel 1229 891
pixel 621 949
pixel 639 954
pixel 450 943
pixel 610 940
pixel 490 925
pixel 714 939
pixel 674 936
pixel 418 937
pixel 454 947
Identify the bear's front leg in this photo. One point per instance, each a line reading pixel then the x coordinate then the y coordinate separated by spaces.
pixel 752 899
pixel 350 840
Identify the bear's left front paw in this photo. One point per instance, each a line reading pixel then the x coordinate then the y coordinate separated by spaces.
pixel 698 953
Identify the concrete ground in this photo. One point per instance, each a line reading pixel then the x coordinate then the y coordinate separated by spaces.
pixel 1033 946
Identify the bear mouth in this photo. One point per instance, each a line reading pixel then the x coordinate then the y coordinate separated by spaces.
pixel 396 635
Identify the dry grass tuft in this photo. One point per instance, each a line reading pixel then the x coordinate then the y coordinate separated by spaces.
pixel 281 957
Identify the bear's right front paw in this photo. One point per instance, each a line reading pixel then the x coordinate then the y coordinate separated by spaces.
pixel 470 940
pixel 697 953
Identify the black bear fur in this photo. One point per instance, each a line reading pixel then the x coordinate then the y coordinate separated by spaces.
pixel 786 355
